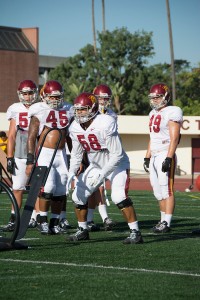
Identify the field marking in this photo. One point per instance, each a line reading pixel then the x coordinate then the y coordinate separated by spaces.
pixel 101 267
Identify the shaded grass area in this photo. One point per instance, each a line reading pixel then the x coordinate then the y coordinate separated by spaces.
pixel 164 266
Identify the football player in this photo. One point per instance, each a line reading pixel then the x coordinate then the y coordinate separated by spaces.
pixel 52 112
pixel 17 114
pixel 103 94
pixel 97 135
pixel 160 160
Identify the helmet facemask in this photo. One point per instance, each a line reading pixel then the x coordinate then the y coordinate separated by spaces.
pixel 89 114
pixel 104 103
pixel 54 100
pixel 28 96
pixel 159 105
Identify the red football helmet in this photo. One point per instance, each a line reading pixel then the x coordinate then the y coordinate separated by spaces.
pixel 27 87
pixel 52 94
pixel 157 91
pixel 86 101
pixel 103 94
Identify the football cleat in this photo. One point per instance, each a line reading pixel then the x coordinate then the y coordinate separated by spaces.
pixel 64 224
pixel 135 237
pixel 92 226
pixel 161 227
pixel 80 235
pixel 44 228
pixel 32 223
pixel 9 227
pixel 108 224
pixel 156 226
pixel 56 230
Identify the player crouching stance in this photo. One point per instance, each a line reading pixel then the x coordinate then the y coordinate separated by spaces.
pixel 97 135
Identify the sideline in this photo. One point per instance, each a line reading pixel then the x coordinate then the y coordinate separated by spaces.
pixel 102 267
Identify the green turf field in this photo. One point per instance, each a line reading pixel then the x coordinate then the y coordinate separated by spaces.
pixel 164 267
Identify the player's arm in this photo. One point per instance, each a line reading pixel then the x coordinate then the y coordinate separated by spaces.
pixel 11 138
pixel 148 153
pixel 114 147
pixel 174 132
pixel 76 156
pixel 32 137
pixel 147 158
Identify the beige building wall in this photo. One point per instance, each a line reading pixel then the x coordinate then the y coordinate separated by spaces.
pixel 134 133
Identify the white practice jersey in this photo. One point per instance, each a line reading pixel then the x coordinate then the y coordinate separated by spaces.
pixel 101 142
pixel 19 113
pixel 159 126
pixel 51 118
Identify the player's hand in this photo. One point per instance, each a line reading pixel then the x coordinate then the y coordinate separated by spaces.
pixel 11 165
pixel 96 180
pixel 146 164
pixel 28 170
pixel 166 165
pixel 69 182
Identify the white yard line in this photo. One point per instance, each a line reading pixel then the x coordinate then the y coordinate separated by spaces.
pixel 180 273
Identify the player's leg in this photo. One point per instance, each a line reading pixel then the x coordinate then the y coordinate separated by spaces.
pixel 35 217
pixel 154 180
pixel 102 208
pixel 80 196
pixel 59 197
pixel 92 204
pixel 120 179
pixel 166 182
pixel 47 191
pixel 19 181
pixel 64 223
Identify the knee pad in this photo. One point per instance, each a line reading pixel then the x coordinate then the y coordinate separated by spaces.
pixel 46 196
pixel 59 198
pixel 125 203
pixel 80 207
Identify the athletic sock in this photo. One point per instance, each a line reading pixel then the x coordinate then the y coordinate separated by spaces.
pixel 168 218
pixel 103 211
pixel 133 225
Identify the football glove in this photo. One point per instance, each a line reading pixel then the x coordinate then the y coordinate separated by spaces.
pixel 96 180
pixel 146 164
pixel 11 165
pixel 166 165
pixel 69 182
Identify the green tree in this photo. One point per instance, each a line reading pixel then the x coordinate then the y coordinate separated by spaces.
pixel 121 61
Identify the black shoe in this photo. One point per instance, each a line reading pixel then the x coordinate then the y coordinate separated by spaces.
pixel 134 238
pixel 161 227
pixel 80 235
pixel 9 227
pixel 108 224
pixel 92 226
pixel 196 231
pixel 32 223
pixel 44 228
pixel 156 226
pixel 55 230
pixel 64 224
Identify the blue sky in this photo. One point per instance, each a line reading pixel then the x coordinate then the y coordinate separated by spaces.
pixel 65 26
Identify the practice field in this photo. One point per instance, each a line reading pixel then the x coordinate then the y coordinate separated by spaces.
pixel 166 266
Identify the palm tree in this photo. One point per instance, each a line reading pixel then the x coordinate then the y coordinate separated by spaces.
pixel 171 52
pixel 93 29
pixel 103 16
